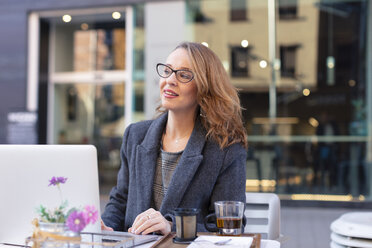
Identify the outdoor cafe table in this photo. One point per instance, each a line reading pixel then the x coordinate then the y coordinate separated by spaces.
pixel 264 243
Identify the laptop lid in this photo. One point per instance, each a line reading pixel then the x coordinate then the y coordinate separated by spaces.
pixel 25 171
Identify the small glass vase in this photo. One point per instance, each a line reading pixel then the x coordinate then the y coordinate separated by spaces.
pixel 60 235
pixel 55 228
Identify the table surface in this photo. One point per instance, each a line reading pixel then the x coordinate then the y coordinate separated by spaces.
pixel 265 243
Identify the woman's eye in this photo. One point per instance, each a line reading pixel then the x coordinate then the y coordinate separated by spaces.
pixel 167 71
pixel 185 75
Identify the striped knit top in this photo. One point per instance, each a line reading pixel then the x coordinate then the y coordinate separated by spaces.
pixel 166 164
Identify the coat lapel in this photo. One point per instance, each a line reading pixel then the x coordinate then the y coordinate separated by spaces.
pixel 186 168
pixel 146 158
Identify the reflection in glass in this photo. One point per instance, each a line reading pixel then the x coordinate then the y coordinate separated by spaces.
pixel 89 43
pixel 88 73
pixel 99 50
pixel 321 46
pixel 139 63
pixel 98 119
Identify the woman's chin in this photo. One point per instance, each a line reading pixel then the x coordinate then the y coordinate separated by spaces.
pixel 167 105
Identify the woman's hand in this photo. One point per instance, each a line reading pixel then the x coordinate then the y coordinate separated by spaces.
pixel 105 228
pixel 150 221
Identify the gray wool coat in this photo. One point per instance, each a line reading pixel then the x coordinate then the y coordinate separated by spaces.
pixel 205 174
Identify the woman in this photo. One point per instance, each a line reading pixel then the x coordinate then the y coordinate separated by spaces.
pixel 191 156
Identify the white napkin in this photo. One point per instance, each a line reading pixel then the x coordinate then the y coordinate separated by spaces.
pixel 235 242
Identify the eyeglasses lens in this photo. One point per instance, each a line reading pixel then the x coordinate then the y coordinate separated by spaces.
pixel 163 71
pixel 183 76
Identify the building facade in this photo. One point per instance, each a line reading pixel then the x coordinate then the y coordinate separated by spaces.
pixel 79 71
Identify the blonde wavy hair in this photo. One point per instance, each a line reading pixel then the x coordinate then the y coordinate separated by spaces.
pixel 218 99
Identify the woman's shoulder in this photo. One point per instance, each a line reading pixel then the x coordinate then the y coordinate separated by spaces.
pixel 136 132
pixel 141 124
pixel 235 147
pixel 230 152
pixel 234 151
pixel 140 127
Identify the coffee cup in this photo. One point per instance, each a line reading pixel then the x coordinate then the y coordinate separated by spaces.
pixel 185 224
pixel 227 219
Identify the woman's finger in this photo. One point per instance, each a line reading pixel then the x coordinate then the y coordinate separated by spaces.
pixel 153 228
pixel 105 228
pixel 158 223
pixel 144 223
pixel 162 225
pixel 141 215
pixel 141 218
pixel 147 224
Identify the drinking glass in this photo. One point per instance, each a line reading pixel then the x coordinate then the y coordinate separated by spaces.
pixel 228 218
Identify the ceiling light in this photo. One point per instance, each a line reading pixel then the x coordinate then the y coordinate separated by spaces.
pixel 263 63
pixel 116 15
pixel 306 92
pixel 244 43
pixel 66 18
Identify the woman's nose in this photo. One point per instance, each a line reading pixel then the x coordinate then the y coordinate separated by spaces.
pixel 172 79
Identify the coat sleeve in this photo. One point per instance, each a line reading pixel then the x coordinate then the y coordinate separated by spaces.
pixel 114 214
pixel 231 181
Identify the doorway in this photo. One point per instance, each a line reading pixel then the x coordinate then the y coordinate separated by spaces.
pixel 85 79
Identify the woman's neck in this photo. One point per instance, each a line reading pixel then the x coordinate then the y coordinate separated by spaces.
pixel 179 125
pixel 177 131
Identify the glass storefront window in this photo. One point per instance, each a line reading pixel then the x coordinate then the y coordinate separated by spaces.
pixel 89 80
pixel 139 63
pixel 316 141
pixel 89 42
pixel 92 114
pixel 88 74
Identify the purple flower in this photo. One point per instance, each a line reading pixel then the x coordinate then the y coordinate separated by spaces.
pixel 57 180
pixel 76 221
pixel 91 214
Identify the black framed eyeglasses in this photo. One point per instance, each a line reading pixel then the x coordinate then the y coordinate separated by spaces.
pixel 184 76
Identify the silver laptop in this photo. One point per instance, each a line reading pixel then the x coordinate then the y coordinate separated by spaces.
pixel 25 171
pixel 134 240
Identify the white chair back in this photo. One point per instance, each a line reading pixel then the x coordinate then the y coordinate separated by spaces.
pixel 352 229
pixel 263 214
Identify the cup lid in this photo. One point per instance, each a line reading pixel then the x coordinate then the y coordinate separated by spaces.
pixel 185 211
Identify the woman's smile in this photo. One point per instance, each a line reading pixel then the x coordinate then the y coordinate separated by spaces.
pixel 169 93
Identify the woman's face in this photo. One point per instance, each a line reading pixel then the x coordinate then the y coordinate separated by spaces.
pixel 176 96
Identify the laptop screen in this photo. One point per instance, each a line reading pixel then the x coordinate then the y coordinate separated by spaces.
pixel 25 171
